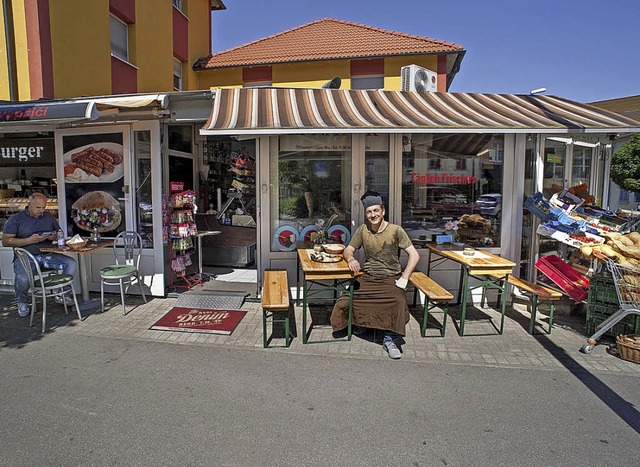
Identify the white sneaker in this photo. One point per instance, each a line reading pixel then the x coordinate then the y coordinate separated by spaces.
pixel 67 299
pixel 392 350
pixel 23 310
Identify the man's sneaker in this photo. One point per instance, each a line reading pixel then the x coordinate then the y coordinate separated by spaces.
pixel 392 350
pixel 23 310
pixel 67 299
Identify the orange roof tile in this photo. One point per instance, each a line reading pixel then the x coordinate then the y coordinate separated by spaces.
pixel 325 39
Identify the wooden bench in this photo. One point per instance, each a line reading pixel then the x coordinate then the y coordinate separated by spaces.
pixel 434 296
pixel 538 295
pixel 275 304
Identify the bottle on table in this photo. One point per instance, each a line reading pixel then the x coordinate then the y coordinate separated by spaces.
pixel 61 240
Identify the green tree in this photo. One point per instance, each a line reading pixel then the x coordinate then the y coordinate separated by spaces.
pixel 625 165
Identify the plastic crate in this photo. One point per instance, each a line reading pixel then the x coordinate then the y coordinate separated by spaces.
pixel 626 326
pixel 564 276
pixel 539 207
pixel 602 291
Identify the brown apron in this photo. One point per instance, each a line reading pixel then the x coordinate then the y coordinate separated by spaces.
pixel 377 304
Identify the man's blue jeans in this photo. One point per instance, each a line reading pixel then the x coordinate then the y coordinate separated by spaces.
pixel 58 262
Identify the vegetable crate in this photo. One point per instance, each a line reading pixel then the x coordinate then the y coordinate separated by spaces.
pixel 564 276
pixel 539 207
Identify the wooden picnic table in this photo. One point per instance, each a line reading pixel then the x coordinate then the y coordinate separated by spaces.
pixel 493 271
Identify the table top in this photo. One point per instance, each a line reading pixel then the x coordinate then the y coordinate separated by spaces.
pixel 88 248
pixel 310 266
pixel 481 260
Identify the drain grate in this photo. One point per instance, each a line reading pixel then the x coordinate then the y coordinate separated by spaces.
pixel 210 302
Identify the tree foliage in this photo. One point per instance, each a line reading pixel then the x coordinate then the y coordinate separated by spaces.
pixel 625 165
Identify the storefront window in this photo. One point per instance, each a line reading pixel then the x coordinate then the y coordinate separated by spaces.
pixel 377 166
pixel 581 171
pixel 144 182
pixel 180 138
pixel 313 182
pixel 554 164
pixel 452 181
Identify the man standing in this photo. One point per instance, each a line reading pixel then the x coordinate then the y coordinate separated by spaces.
pixel 32 229
pixel 379 299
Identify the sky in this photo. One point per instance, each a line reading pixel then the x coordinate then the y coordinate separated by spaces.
pixel 584 50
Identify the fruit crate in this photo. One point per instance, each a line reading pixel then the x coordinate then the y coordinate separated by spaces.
pixel 539 207
pixel 596 314
pixel 564 276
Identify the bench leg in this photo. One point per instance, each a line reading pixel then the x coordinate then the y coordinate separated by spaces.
pixel 275 318
pixel 264 329
pixel 425 317
pixel 534 310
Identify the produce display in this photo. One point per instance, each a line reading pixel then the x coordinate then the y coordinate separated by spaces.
pixel 623 248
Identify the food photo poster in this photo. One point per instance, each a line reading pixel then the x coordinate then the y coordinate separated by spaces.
pixel 93 167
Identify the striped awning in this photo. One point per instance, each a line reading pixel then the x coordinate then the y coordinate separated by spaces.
pixel 298 111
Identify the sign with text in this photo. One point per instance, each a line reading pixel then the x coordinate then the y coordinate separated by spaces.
pixel 40 112
pixel 443 178
pixel 27 152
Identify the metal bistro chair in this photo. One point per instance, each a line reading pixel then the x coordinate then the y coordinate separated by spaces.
pixel 126 269
pixel 45 285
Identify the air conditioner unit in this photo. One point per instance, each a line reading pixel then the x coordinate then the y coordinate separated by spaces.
pixel 416 78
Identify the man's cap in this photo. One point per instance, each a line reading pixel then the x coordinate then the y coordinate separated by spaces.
pixel 371 198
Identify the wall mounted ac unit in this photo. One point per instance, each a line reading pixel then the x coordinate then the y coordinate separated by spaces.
pixel 416 78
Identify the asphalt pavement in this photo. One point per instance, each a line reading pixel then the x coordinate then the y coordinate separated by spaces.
pixel 110 391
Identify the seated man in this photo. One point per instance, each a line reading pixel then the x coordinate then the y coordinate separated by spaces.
pixel 379 299
pixel 32 229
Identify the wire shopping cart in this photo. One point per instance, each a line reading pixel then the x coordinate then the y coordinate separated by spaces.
pixel 627 282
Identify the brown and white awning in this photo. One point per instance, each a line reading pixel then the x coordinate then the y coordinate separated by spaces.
pixel 297 111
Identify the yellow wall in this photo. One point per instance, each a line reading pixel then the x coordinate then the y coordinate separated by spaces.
pixel 22 59
pixel 4 70
pixel 315 74
pixel 220 78
pixel 81 49
pixel 198 12
pixel 154 45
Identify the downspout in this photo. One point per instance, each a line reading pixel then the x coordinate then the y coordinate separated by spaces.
pixel 7 12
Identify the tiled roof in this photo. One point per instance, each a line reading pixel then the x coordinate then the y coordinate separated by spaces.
pixel 326 39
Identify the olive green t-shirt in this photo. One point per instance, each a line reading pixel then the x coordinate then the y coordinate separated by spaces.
pixel 382 249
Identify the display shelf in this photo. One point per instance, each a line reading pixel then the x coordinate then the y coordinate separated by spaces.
pixel 181 233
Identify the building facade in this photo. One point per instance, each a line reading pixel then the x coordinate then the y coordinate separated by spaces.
pixel 363 57
pixel 54 49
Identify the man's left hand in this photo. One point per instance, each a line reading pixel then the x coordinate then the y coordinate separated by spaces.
pixel 401 283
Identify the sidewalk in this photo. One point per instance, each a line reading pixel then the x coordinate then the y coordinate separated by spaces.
pixel 514 349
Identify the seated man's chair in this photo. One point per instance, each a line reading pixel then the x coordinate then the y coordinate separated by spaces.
pixel 45 285
pixel 127 249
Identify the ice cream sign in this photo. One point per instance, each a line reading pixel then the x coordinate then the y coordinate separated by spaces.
pixel 445 179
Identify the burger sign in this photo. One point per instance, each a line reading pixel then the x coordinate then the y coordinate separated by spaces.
pixel 96 209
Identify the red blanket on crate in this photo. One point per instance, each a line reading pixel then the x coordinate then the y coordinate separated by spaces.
pixel 564 276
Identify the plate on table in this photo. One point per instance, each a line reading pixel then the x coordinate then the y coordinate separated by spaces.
pixel 285 238
pixel 94 163
pixel 325 257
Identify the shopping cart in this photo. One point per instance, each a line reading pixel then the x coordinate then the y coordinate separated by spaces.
pixel 627 282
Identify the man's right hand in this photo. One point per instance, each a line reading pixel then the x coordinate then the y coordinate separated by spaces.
pixel 354 265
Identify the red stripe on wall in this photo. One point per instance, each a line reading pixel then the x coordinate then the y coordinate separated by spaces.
pixel 253 74
pixel 39 46
pixel 180 36
pixel 124 77
pixel 372 66
pixel 442 73
pixel 124 9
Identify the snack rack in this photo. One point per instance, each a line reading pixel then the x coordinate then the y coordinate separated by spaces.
pixel 182 231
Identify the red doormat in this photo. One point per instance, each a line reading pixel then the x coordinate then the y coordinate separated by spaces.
pixel 199 320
